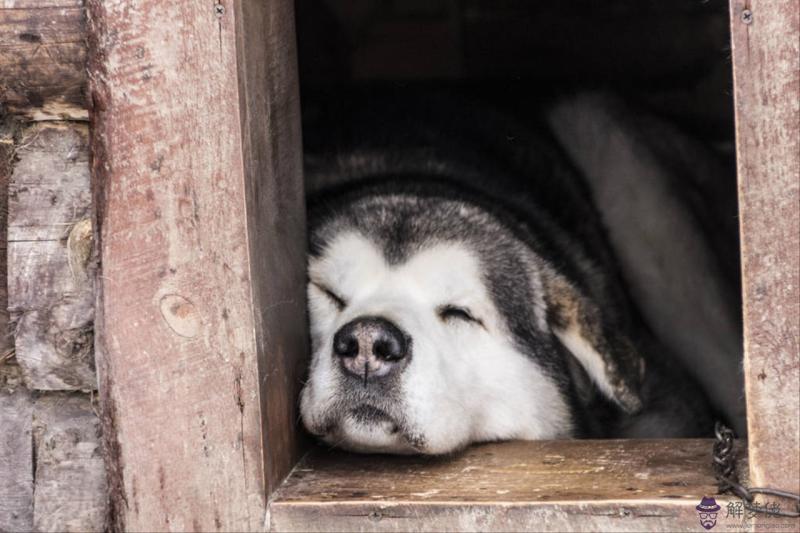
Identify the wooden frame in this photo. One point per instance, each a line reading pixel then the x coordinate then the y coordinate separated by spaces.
pixel 510 486
pixel 227 145
pixel 766 52
pixel 200 325
pixel 200 333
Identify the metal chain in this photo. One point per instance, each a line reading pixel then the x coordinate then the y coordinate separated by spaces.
pixel 728 481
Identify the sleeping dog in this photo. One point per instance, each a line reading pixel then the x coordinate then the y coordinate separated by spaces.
pixel 465 284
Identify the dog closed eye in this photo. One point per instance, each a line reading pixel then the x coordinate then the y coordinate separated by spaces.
pixel 337 300
pixel 452 312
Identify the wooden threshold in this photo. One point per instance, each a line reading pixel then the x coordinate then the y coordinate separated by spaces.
pixel 634 485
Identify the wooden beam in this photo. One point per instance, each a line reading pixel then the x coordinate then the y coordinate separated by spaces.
pixel 16 457
pixel 69 476
pixel 516 486
pixel 269 110
pixel 200 332
pixel 50 297
pixel 53 477
pixel 7 131
pixel 42 59
pixel 766 55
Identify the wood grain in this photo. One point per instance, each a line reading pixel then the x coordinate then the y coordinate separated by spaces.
pixel 516 486
pixel 70 483
pixel 270 118
pixel 16 459
pixel 50 295
pixel 42 59
pixel 53 478
pixel 201 328
pixel 7 130
pixel 766 54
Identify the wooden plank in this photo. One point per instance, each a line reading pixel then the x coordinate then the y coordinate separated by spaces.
pixel 16 457
pixel 70 487
pixel 42 59
pixel 200 325
pixel 766 54
pixel 40 4
pixel 53 474
pixel 516 486
pixel 50 295
pixel 7 129
pixel 276 223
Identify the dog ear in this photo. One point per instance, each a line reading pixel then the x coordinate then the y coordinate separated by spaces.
pixel 606 354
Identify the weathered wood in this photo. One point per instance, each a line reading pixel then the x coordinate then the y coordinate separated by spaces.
pixel 42 58
pixel 10 374
pixel 6 158
pixel 50 293
pixel 515 486
pixel 766 55
pixel 16 458
pixel 201 313
pixel 276 220
pixel 70 488
pixel 52 476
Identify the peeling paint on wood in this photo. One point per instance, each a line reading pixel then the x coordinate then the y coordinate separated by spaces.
pixel 516 486
pixel 766 55
pixel 201 312
pixel 50 294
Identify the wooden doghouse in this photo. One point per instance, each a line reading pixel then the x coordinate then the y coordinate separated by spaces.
pixel 156 220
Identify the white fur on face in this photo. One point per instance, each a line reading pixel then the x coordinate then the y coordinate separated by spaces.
pixel 465 382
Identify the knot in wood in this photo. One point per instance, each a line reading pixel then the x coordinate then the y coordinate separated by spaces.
pixel 180 315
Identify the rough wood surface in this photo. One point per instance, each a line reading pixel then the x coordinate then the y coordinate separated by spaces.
pixel 16 459
pixel 50 293
pixel 515 486
pixel 766 55
pixel 52 476
pixel 42 58
pixel 201 312
pixel 6 159
pixel 276 223
pixel 70 488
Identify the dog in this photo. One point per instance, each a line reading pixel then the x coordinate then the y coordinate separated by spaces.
pixel 466 285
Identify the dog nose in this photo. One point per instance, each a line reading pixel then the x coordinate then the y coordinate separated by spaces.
pixel 370 347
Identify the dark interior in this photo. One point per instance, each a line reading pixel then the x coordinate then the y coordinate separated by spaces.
pixel 671 58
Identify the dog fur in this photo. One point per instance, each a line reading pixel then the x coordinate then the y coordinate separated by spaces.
pixel 493 246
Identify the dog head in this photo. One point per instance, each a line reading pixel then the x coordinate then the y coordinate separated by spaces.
pixel 433 325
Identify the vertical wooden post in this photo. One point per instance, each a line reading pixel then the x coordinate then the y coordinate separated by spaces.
pixel 766 54
pixel 201 312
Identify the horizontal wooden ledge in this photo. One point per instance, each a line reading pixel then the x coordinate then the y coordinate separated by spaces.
pixel 544 485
